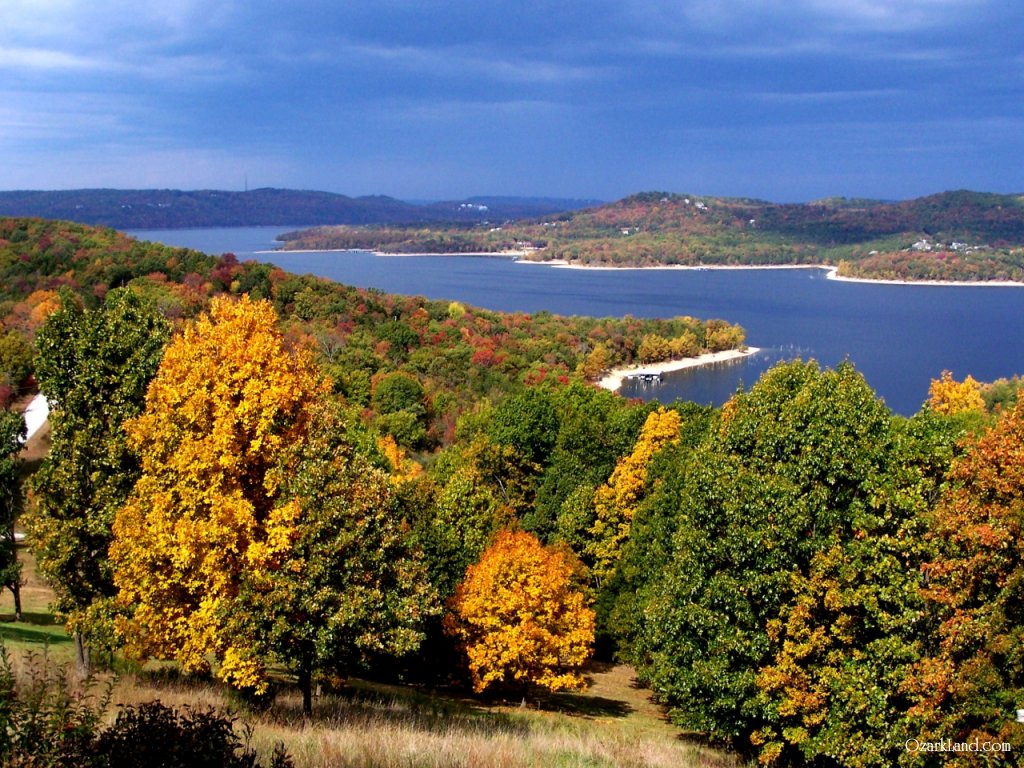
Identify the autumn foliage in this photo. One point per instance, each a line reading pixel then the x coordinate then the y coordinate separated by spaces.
pixel 973 683
pixel 615 502
pixel 948 396
pixel 519 617
pixel 227 398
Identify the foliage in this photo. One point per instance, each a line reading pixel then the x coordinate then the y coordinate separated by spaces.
pixel 520 618
pixel 857 623
pixel 48 719
pixel 457 354
pixel 788 469
pixel 15 362
pixel 12 500
pixel 973 682
pixel 647 550
pixel 959 236
pixel 527 422
pixel 948 396
pixel 595 428
pixel 455 526
pixel 94 367
pixel 346 587
pixel 615 502
pixel 153 734
pixel 1001 394
pixel 227 399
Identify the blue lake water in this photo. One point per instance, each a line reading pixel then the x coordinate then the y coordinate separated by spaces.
pixel 899 337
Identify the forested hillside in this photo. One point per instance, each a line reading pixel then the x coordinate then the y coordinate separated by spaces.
pixel 280 484
pixel 951 236
pixel 414 364
pixel 171 208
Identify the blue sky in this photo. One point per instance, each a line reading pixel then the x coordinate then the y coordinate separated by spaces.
pixel 785 100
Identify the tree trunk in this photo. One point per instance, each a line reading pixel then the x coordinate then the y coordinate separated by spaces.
pixel 306 686
pixel 16 591
pixel 83 662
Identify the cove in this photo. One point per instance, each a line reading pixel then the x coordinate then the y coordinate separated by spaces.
pixel 900 337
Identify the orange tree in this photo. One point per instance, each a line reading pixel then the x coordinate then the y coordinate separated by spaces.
pixel 971 685
pixel 519 617
pixel 227 399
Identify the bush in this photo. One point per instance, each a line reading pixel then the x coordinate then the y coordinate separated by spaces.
pixel 47 720
pixel 156 736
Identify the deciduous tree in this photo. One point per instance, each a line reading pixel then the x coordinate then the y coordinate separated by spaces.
pixel 12 431
pixel 520 618
pixel 616 501
pixel 335 584
pixel 948 396
pixel 94 367
pixel 790 465
pixel 228 398
pixel 973 683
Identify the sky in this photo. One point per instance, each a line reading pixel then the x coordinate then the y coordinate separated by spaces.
pixel 784 100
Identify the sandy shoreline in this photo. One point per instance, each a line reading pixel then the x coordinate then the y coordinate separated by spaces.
pixel 833 274
pixel 613 380
pixel 562 264
pixel 517 255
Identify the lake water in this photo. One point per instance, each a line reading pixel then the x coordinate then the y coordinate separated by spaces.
pixel 899 337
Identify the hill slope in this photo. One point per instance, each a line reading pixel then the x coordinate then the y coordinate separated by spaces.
pixel 168 208
pixel 955 235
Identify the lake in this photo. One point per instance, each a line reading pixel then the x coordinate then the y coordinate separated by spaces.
pixel 899 337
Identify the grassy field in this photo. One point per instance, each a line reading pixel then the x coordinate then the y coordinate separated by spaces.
pixel 613 723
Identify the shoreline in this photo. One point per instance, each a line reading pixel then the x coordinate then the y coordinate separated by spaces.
pixel 613 380
pixel 563 264
pixel 515 255
pixel 831 272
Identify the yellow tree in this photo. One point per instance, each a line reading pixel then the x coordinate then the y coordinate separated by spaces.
pixel 519 617
pixel 227 398
pixel 948 396
pixel 617 500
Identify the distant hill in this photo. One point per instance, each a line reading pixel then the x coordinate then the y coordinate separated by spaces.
pixel 959 235
pixel 167 208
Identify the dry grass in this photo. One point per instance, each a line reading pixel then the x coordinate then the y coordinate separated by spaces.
pixel 377 726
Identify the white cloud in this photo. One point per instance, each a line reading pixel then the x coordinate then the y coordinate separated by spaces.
pixel 812 97
pixel 466 63
pixel 36 59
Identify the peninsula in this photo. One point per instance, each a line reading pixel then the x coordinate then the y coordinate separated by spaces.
pixel 954 236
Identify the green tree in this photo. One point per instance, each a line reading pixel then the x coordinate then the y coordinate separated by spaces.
pixel 595 428
pixel 789 466
pixel 15 361
pixel 857 623
pixel 348 587
pixel 526 421
pixel 94 368
pixel 12 431
pixel 399 400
